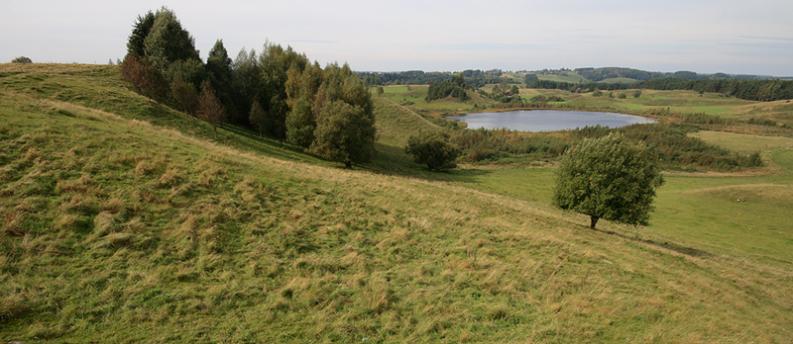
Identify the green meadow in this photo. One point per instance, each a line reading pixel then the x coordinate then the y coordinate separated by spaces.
pixel 124 220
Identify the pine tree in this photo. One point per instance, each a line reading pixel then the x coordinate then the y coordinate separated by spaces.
pixel 168 42
pixel 140 30
pixel 219 72
pixel 245 80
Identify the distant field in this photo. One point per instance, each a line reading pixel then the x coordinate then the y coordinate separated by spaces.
pixel 571 77
pixel 620 80
pixel 682 102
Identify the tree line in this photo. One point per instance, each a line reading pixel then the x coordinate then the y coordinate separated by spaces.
pixel 761 90
pixel 474 78
pixel 277 92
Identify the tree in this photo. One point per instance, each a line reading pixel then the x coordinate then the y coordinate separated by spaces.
pixel 434 150
pixel 344 133
pixel 245 80
pixel 22 59
pixel 608 178
pixel 191 71
pixel 219 72
pixel 140 30
pixel 257 117
pixel 144 78
pixel 167 42
pixel 209 107
pixel 344 117
pixel 275 63
pixel 300 123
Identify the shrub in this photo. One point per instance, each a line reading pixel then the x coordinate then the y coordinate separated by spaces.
pixel 434 150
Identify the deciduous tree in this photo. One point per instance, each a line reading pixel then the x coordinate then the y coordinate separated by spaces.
pixel 344 133
pixel 209 107
pixel 608 178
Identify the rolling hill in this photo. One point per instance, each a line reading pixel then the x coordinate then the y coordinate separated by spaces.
pixel 127 221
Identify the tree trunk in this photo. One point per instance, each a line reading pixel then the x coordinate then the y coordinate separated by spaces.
pixel 593 220
pixel 347 163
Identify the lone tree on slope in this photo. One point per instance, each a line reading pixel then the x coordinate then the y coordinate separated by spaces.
pixel 209 107
pixel 608 178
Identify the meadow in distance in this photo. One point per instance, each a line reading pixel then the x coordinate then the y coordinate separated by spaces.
pixel 268 198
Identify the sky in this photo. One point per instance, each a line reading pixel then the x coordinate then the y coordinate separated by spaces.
pixel 706 36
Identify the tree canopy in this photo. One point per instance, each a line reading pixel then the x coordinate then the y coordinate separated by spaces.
pixel 278 92
pixel 608 178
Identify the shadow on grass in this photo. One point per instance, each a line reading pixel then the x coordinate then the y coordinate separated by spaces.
pixel 393 161
pixel 689 251
pixel 271 147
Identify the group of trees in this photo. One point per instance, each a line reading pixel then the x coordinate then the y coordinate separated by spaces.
pixel 474 78
pixel 278 92
pixel 455 87
pixel 606 177
pixel 762 90
pixel 504 93
pixel 22 60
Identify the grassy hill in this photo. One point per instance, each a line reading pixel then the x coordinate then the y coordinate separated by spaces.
pixel 127 221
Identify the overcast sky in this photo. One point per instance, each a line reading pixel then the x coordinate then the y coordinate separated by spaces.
pixel 752 37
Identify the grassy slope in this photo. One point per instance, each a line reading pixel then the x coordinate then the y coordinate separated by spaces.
pixel 120 230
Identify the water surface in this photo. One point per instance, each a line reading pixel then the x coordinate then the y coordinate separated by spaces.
pixel 547 120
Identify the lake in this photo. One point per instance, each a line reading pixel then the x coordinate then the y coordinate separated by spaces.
pixel 547 120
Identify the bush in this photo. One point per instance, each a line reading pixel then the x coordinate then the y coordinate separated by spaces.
pixel 434 150
pixel 22 59
pixel 608 178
